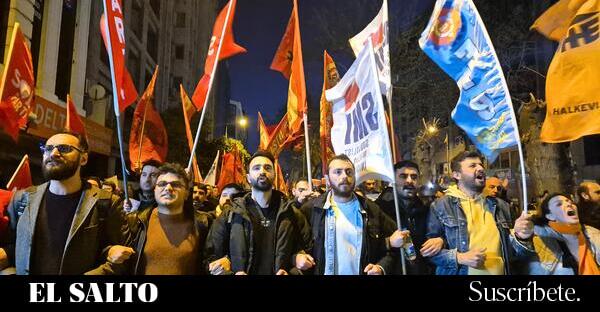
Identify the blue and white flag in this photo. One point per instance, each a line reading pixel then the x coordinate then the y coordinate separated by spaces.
pixel 458 42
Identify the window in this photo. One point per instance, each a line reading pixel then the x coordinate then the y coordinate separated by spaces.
pixel 180 20
pixel 152 44
pixel 591 149
pixel 65 50
pixel 4 10
pixel 179 52
pixel 36 33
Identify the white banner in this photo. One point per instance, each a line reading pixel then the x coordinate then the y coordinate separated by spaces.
pixel 377 30
pixel 359 127
pixel 211 176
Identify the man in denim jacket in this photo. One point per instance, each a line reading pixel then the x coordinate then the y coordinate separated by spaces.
pixel 475 228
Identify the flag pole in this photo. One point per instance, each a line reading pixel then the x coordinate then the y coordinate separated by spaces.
pixel 116 105
pixel 210 83
pixel 139 161
pixel 394 187
pixel 26 157
pixel 513 116
pixel 306 143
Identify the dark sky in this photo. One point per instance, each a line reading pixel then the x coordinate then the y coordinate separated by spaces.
pixel 259 26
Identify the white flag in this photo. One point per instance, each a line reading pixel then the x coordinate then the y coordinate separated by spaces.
pixel 377 30
pixel 211 176
pixel 359 127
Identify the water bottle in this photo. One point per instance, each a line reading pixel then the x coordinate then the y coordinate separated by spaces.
pixel 409 249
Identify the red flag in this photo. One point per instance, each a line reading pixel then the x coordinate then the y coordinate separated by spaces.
pixel 113 18
pixel 73 122
pixel 282 62
pixel 264 133
pixel 17 85
pixel 280 184
pixel 188 113
pixel 228 48
pixel 232 169
pixel 148 137
pixel 330 78
pixel 5 197
pixel 21 179
pixel 281 137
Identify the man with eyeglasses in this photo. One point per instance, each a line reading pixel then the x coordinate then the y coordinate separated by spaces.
pixel 413 216
pixel 169 238
pixel 64 226
pixel 261 233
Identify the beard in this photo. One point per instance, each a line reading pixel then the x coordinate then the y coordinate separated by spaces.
pixel 337 190
pixel 475 184
pixel 263 186
pixel 59 169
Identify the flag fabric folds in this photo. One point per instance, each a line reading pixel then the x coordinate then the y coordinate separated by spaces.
pixel 211 176
pixel 572 96
pixel 113 34
pixel 17 85
pixel 377 31
pixel 21 178
pixel 232 169
pixel 330 79
pixel 188 113
pixel 148 137
pixel 73 123
pixel 457 41
pixel 289 58
pixel 359 127
pixel 223 25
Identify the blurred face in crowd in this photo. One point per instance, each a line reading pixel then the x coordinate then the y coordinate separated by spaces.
pixel 407 182
pixel 148 178
pixel 199 194
pixel 471 175
pixel 562 210
pixel 301 186
pixel 370 186
pixel 62 157
pixel 226 195
pixel 593 192
pixel 170 190
pixel 493 186
pixel 341 177
pixel 261 174
pixel 215 192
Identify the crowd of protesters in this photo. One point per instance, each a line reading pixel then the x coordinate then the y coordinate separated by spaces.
pixel 70 225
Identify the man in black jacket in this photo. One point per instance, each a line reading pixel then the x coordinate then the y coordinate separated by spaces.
pixel 260 233
pixel 351 234
pixel 413 216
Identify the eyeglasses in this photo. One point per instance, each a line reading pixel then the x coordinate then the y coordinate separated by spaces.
pixel 174 184
pixel 62 148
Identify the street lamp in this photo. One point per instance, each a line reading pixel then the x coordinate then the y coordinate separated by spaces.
pixel 243 121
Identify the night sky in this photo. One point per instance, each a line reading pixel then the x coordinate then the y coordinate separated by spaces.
pixel 259 26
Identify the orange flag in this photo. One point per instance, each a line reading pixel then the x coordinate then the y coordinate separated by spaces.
pixel 330 78
pixel 73 122
pixel 148 136
pixel 265 133
pixel 21 179
pixel 280 184
pixel 112 23
pixel 188 113
pixel 232 170
pixel 17 85
pixel 228 48
pixel 296 105
pixel 572 96
pixel 281 137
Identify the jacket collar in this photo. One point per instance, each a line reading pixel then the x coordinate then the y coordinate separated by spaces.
pixel 89 197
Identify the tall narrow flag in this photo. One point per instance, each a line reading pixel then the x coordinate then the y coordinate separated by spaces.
pixel 289 58
pixel 359 127
pixel 377 31
pixel 73 122
pixel 21 178
pixel 330 79
pixel 263 133
pixel 211 176
pixel 112 27
pixel 228 49
pixel 148 137
pixel 188 113
pixel 279 183
pixel 232 170
pixel 457 41
pixel 17 85
pixel 572 97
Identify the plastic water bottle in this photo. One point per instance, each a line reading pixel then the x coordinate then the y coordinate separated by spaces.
pixel 409 249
